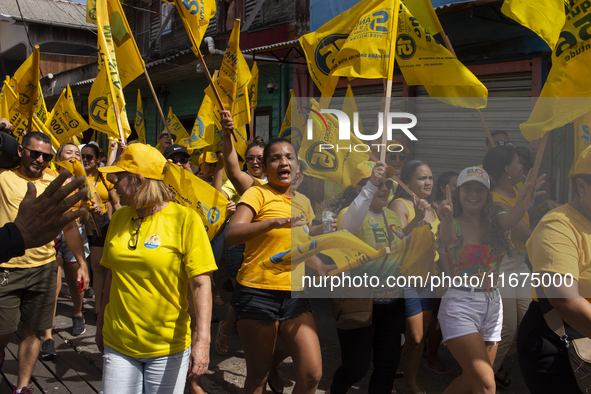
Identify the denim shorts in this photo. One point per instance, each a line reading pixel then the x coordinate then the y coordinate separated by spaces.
pixel 267 305
pixel 417 300
pixel 464 312
pixel 64 251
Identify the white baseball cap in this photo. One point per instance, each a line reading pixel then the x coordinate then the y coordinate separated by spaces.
pixel 474 174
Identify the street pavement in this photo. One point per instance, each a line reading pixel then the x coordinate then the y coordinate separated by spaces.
pixel 227 373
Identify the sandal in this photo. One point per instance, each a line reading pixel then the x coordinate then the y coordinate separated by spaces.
pixel 221 348
pixel 503 382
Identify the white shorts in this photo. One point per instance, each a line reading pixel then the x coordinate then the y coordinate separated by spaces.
pixel 463 312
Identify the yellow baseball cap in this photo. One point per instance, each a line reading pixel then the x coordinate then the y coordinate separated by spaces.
pixel 583 164
pixel 139 159
pixel 210 157
pixel 396 142
pixel 364 169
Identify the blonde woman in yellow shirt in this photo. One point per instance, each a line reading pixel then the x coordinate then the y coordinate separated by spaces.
pixel 153 250
pixel 266 304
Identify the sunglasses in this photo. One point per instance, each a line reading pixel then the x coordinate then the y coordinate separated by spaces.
pixel 137 223
pixel 87 157
pixel 251 159
pixel 34 154
pixel 182 160
pixel 397 156
pixel 505 143
pixel 389 183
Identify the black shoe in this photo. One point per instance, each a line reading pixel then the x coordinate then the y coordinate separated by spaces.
pixel 48 349
pixel 78 327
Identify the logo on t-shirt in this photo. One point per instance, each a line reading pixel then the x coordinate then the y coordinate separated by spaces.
pixel 153 241
pixel 372 223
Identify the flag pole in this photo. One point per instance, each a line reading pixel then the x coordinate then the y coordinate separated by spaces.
pixel 215 91
pixel 119 127
pixel 478 111
pixel 157 103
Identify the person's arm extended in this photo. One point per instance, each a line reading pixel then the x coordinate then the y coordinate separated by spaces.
pixel 536 213
pixel 510 218
pixel 201 292
pixel 520 231
pixel 447 232
pixel 241 228
pixel 74 240
pixel 572 308
pixel 113 146
pixel 217 174
pixel 241 180
pixel 353 218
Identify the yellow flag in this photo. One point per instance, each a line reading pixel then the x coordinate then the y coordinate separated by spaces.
pixel 566 95
pixel 328 163
pixel 241 143
pixel 116 45
pixel 64 121
pixel 4 108
pixel 368 49
pixel 91 11
pixel 202 133
pixel 11 104
pixel 293 125
pixel 195 15
pixel 192 192
pixel 424 61
pixel 232 82
pixel 140 121
pixel 253 86
pixel 100 108
pixel 25 83
pixel 40 108
pixel 322 46
pixel 424 12
pixel 176 127
pixel 582 138
pixel 543 17
pixel 350 107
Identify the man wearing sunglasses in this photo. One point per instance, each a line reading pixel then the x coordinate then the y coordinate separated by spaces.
pixel 179 155
pixel 501 138
pixel 28 282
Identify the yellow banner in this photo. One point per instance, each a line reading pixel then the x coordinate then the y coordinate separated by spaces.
pixel 322 46
pixel 582 138
pixel 64 121
pixel 232 82
pixel 19 122
pixel 140 121
pixel 195 15
pixel 91 11
pixel 543 17
pixel 328 163
pixel 424 12
pixel 566 95
pixel 202 134
pixel 40 108
pixel 25 83
pixel 194 193
pixel 100 109
pixel 77 169
pixel 176 127
pixel 116 45
pixel 424 61
pixel 292 127
pixel 253 86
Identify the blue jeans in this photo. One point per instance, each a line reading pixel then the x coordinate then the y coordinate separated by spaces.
pixel 130 375
pixel 380 341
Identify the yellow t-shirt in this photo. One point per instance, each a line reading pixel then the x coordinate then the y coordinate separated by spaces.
pixel 230 190
pixel 13 187
pixel 561 243
pixel 102 191
pixel 147 311
pixel 519 247
pixel 301 203
pixel 267 203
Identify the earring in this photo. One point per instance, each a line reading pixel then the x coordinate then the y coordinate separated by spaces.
pixel 509 177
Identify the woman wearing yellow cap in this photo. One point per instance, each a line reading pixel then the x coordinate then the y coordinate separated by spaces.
pixel 363 211
pixel 153 250
pixel 560 253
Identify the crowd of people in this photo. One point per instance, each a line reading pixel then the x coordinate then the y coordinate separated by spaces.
pixel 150 263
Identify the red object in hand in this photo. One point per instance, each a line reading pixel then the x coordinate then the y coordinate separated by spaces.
pixel 81 285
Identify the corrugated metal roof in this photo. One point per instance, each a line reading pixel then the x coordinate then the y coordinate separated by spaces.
pixel 47 11
pixel 268 48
